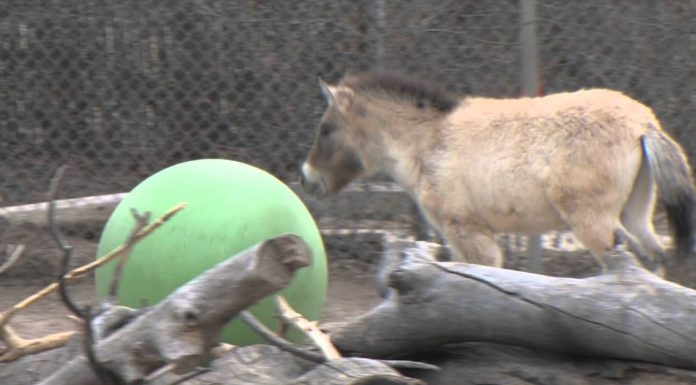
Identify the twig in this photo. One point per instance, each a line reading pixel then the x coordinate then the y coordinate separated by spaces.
pixel 321 340
pixel 62 244
pixel 221 349
pixel 141 220
pixel 14 257
pixel 165 369
pixel 106 376
pixel 407 364
pixel 18 346
pixel 182 328
pixel 289 347
pixel 52 192
pixel 82 270
pixel 278 341
pixel 188 376
pixel 170 368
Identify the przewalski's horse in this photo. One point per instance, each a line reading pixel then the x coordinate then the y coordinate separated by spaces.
pixel 590 161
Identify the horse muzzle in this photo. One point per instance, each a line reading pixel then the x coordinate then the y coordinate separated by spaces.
pixel 312 182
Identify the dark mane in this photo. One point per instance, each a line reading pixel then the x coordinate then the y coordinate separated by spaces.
pixel 419 91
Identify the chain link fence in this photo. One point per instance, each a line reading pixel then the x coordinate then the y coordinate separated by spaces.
pixel 121 89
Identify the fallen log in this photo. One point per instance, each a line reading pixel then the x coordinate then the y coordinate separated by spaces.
pixel 267 365
pixel 627 314
pixel 256 364
pixel 182 329
pixel 99 207
pixel 71 211
pixel 164 345
pixel 485 363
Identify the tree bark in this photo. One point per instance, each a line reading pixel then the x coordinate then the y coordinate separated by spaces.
pixel 628 313
pixel 70 211
pixel 267 365
pixel 256 364
pixel 183 328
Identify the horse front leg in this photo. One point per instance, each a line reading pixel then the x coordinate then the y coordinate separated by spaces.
pixel 473 245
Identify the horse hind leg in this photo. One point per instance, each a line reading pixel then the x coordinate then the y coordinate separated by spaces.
pixel 594 214
pixel 598 235
pixel 652 261
pixel 473 245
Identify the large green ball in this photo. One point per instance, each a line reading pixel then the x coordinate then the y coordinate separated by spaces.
pixel 231 206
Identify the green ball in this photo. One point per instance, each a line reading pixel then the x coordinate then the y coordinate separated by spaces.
pixel 231 207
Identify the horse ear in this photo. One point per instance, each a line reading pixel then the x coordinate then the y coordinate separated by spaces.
pixel 340 97
pixel 327 91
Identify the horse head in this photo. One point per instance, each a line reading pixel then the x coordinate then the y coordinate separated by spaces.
pixel 334 160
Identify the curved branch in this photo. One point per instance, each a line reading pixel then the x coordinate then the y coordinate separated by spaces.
pixel 105 375
pixel 64 246
pixel 14 257
pixel 141 220
pixel 289 347
pixel 278 341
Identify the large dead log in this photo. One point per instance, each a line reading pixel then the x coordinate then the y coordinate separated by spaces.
pixel 257 364
pixel 485 363
pixel 181 330
pixel 267 365
pixel 628 313
pixel 71 211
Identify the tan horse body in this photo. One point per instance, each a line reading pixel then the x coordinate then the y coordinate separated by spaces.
pixel 589 161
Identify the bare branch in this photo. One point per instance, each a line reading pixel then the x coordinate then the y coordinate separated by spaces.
pixel 278 341
pixel 83 270
pixel 17 346
pixel 52 192
pixel 166 369
pixel 407 364
pixel 141 220
pixel 321 340
pixel 221 349
pixel 106 376
pixel 64 246
pixel 169 370
pixel 289 347
pixel 13 258
pixel 184 327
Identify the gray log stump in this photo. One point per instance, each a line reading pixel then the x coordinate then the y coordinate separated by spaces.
pixel 485 363
pixel 267 365
pixel 182 329
pixel 626 314
pixel 256 364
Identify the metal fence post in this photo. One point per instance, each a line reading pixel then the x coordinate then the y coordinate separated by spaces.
pixel 529 55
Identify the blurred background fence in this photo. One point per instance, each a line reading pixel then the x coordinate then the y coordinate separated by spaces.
pixel 121 89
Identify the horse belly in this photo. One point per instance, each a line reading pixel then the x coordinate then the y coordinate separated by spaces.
pixel 501 194
pixel 523 209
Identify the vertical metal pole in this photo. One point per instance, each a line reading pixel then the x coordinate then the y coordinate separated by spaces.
pixel 528 45
pixel 381 30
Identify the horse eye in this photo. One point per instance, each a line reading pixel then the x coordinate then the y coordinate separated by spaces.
pixel 326 129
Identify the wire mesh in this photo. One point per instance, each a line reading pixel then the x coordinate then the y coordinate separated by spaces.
pixel 120 90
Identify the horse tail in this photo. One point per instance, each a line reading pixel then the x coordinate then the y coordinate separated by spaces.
pixel 672 173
